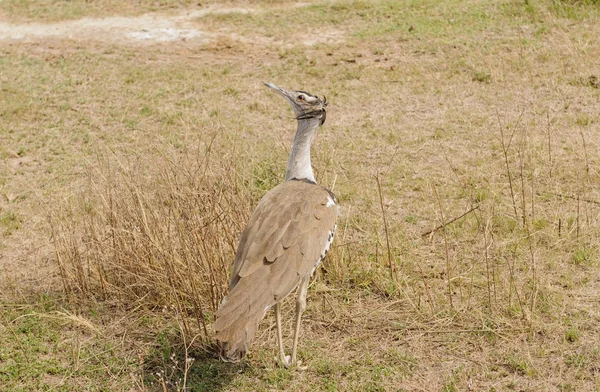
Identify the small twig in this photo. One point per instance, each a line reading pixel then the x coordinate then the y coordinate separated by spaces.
pixel 427 292
pixel 448 280
pixel 472 330
pixel 511 270
pixel 526 226
pixel 571 197
pixel 585 153
pixel 19 343
pixel 578 204
pixel 346 244
pixel 451 221
pixel 493 265
pixel 559 227
pixel 532 195
pixel 549 144
pixel 505 148
pixel 385 226
pixel 332 187
pixel 325 299
pixel 487 263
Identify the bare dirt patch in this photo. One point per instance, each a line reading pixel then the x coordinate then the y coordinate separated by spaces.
pixel 153 28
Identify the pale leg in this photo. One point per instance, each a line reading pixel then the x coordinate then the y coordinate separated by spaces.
pixel 282 358
pixel 300 306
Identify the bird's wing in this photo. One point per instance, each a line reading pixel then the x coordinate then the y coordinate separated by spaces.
pixel 285 238
pixel 293 217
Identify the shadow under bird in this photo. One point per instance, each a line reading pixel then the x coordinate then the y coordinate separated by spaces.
pixel 284 241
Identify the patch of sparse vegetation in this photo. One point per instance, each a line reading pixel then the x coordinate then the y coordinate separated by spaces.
pixel 584 256
pixel 572 335
pixel 9 222
pixel 482 77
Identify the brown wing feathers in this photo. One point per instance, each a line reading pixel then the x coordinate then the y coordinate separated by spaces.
pixel 281 244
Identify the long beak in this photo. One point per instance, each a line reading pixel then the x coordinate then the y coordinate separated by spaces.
pixel 281 91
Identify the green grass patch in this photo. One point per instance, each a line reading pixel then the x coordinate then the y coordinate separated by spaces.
pixel 43 350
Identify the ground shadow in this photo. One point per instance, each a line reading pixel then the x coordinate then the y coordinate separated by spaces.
pixel 165 367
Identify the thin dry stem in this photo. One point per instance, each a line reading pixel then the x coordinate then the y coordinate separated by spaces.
pixel 446 251
pixel 391 264
pixel 505 149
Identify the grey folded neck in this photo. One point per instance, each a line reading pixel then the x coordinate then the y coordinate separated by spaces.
pixel 299 166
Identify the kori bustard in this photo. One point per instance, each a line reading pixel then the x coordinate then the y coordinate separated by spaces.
pixel 285 239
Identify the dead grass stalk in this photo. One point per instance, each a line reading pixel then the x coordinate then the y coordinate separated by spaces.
pixel 162 232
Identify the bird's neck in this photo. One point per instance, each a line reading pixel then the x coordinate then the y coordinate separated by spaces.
pixel 299 162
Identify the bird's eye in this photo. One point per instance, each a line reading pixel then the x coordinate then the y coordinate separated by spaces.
pixel 300 97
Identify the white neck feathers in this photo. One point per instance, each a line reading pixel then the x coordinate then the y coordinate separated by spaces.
pixel 299 166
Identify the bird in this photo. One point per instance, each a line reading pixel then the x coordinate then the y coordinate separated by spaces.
pixel 284 241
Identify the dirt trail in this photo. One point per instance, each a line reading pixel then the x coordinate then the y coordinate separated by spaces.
pixel 148 28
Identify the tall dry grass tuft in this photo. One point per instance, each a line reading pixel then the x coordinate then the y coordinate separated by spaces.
pixel 160 232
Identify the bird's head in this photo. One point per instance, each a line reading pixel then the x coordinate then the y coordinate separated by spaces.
pixel 305 105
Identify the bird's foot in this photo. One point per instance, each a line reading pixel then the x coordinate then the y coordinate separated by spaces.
pixel 299 365
pixel 286 361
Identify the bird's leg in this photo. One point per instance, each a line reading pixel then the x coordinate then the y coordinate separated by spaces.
pixel 282 358
pixel 300 306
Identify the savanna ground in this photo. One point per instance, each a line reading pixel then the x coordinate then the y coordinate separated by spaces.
pixel 462 141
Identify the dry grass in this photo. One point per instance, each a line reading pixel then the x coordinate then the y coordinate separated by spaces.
pixel 154 233
pixel 462 142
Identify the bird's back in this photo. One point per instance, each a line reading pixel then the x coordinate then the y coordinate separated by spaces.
pixel 286 237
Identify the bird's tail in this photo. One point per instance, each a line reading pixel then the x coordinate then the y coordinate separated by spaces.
pixel 236 323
